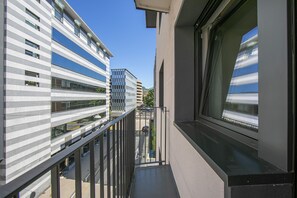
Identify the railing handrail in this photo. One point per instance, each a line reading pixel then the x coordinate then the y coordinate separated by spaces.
pixel 32 175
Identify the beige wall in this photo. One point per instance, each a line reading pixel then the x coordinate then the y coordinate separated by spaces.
pixel 194 177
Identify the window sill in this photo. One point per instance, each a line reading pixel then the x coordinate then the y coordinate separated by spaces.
pixel 235 163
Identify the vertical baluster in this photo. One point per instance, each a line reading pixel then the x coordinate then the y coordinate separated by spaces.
pixel 101 139
pixel 92 169
pixel 139 135
pixel 118 160
pixel 145 134
pixel 78 192
pixel 165 133
pixel 55 182
pixel 114 162
pixel 108 162
pixel 161 134
pixel 122 158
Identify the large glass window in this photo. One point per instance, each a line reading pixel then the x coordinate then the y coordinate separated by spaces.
pixel 231 91
pixel 69 44
pixel 58 13
pixel 59 83
pixel 74 125
pixel 59 106
pixel 65 63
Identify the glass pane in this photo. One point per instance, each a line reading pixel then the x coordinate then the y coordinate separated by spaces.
pixel 232 91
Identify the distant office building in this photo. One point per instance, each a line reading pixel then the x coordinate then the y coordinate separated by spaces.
pixel 56 86
pixel 139 94
pixel 123 91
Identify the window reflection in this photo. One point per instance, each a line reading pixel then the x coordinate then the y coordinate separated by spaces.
pixel 74 125
pixel 72 105
pixel 242 103
pixel 231 92
pixel 59 83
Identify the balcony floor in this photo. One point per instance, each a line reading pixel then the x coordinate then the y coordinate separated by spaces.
pixel 154 181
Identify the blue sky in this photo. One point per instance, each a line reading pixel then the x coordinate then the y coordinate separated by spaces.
pixel 122 29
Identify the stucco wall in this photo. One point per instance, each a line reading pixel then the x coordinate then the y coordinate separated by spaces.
pixel 193 176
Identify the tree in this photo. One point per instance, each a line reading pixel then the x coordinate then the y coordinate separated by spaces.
pixel 148 100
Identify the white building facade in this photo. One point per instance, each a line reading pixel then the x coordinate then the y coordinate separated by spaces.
pixel 56 83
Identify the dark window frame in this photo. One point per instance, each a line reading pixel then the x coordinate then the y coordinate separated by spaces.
pixel 201 81
pixel 276 140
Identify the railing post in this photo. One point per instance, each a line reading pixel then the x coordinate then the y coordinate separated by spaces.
pixel 55 182
pixel 114 162
pixel 118 160
pixel 122 158
pixel 108 162
pixel 165 133
pixel 78 192
pixel 161 134
pixel 92 168
pixel 101 139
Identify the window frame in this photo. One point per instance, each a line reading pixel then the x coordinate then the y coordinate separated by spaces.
pixel 277 124
pixel 213 24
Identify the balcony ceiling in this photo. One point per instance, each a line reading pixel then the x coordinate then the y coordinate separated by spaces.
pixel 153 5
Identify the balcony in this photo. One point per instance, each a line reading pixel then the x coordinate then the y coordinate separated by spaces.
pixel 125 158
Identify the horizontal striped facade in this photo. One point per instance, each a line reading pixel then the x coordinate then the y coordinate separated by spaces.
pixel 123 91
pixel 33 51
pixel 27 112
pixel 242 100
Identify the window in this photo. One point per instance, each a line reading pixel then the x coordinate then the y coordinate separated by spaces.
pixel 32 74
pixel 231 91
pixel 32 15
pixel 74 125
pixel 72 105
pixel 30 43
pixel 32 25
pixel 31 83
pixel 58 83
pixel 161 86
pixel 76 30
pixel 68 18
pixel 30 53
pixel 89 41
pixel 58 13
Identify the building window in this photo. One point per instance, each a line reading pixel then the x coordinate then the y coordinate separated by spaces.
pixel 32 74
pixel 31 83
pixel 72 105
pixel 230 94
pixel 89 41
pixel 33 25
pixel 68 18
pixel 76 30
pixel 58 83
pixel 30 53
pixel 75 125
pixel 32 15
pixel 161 86
pixel 58 13
pixel 30 43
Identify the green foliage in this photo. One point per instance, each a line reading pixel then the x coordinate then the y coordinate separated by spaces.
pixel 148 100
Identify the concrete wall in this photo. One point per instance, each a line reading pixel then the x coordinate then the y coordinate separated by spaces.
pixel 194 177
pixel 1 78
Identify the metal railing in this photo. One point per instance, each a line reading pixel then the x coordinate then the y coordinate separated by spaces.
pixel 117 139
pixel 151 136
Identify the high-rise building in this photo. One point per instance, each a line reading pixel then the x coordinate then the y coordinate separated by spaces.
pixel 56 82
pixel 123 91
pixel 139 93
